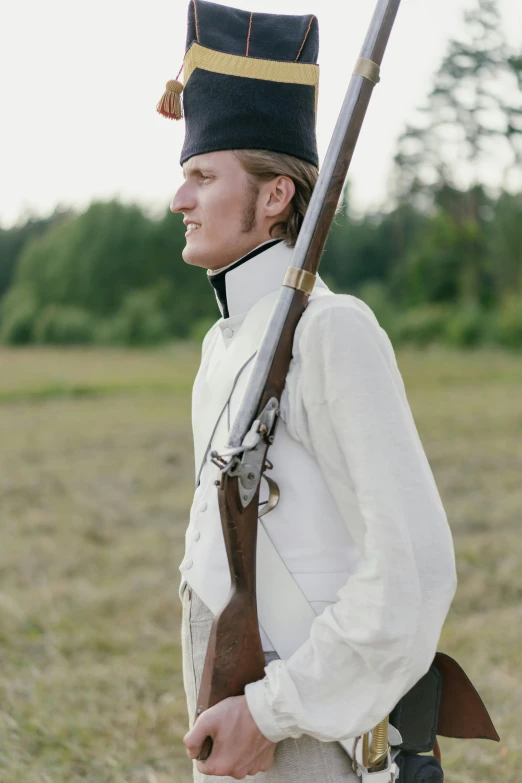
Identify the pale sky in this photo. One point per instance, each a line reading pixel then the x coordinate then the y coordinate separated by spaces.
pixel 80 82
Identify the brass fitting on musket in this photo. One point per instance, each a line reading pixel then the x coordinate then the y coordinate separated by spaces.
pixel 368 69
pixel 374 757
pixel 299 279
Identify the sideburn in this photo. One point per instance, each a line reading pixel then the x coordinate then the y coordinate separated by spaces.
pixel 248 218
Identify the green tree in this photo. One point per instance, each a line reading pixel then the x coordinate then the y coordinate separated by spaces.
pixel 13 240
pixel 94 261
pixel 473 112
pixel 370 248
pixel 505 245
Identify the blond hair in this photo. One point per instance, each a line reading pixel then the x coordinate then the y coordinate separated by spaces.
pixel 263 165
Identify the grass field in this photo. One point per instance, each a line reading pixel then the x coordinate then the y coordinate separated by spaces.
pixel 96 479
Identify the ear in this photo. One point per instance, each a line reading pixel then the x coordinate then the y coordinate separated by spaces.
pixel 279 193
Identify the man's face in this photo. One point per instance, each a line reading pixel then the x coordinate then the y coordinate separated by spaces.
pixel 219 206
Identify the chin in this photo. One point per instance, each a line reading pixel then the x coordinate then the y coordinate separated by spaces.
pixel 193 256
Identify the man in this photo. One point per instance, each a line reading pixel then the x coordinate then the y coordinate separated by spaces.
pixel 360 528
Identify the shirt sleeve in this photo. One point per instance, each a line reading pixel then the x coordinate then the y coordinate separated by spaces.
pixel 345 401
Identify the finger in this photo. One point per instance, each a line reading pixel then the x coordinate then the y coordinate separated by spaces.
pixel 219 769
pixel 219 762
pixel 200 729
pixel 195 738
pixel 193 749
pixel 213 768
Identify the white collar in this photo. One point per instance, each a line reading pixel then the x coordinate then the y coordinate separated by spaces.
pixel 251 281
pixel 212 272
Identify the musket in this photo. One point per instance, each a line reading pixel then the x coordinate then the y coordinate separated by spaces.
pixel 235 655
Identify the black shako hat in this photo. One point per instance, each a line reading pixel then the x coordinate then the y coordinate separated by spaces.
pixel 251 81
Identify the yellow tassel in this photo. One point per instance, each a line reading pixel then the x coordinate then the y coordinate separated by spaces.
pixel 170 103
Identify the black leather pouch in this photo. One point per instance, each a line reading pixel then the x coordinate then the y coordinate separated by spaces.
pixel 419 769
pixel 417 713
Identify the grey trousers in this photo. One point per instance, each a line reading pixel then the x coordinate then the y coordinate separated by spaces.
pixel 305 760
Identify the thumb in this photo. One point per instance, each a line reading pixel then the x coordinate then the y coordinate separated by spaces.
pixel 195 738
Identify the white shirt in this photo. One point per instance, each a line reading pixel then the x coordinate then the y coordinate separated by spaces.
pixel 344 401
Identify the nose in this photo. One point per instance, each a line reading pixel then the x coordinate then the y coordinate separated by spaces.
pixel 183 200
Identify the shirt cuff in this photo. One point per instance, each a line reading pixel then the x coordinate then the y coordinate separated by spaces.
pixel 261 712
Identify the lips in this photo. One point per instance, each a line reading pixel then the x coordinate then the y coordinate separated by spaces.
pixel 191 227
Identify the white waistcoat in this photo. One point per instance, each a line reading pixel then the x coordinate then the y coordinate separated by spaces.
pixel 305 527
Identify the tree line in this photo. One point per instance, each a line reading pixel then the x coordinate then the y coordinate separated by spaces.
pixel 443 261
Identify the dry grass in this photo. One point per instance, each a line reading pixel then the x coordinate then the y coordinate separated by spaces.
pixel 95 486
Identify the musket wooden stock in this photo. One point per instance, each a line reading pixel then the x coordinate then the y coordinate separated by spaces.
pixel 234 654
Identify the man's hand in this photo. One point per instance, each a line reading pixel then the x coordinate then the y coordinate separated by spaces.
pixel 239 748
